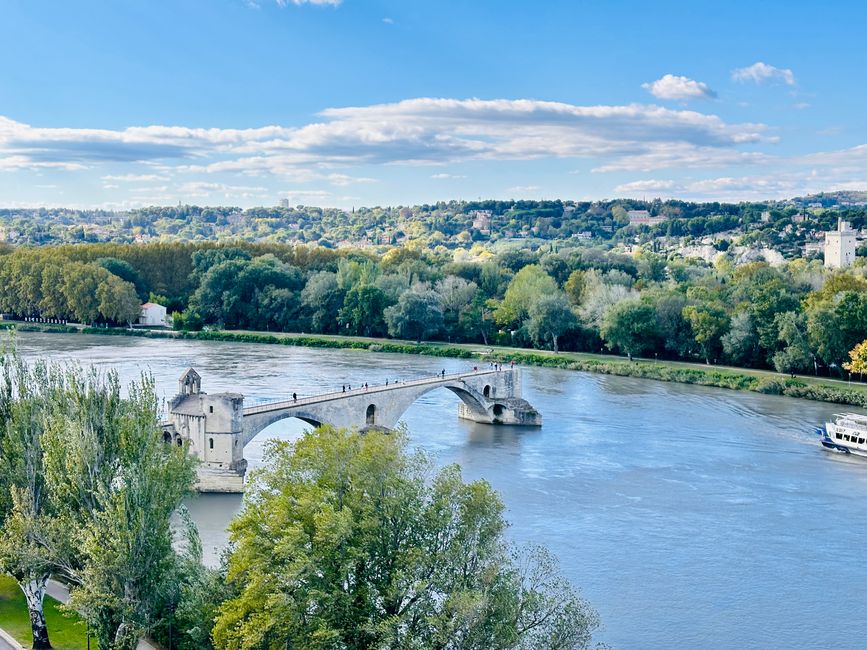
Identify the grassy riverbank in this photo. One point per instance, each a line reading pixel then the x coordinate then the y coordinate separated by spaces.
pixel 67 632
pixel 761 381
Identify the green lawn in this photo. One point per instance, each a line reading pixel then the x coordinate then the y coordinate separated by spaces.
pixel 66 632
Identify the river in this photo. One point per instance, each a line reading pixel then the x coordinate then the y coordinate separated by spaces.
pixel 690 517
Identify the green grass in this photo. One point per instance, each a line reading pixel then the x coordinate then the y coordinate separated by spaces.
pixel 66 631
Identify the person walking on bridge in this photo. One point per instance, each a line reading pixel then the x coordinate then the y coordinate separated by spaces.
pixel 444 373
pixel 294 397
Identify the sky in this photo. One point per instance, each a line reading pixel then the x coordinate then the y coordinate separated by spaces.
pixel 347 103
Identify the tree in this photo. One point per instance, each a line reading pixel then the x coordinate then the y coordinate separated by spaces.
pixel 857 359
pixel 741 343
pixel 528 284
pixel 346 542
pixel 80 288
pixel 362 311
pixel 630 326
pixel 118 301
pixel 417 315
pixel 836 325
pixel 322 298
pixel 574 286
pixel 796 356
pixel 709 323
pixel 27 396
pixel 549 318
pixel 87 490
pixel 125 271
pixel 600 294
pixel 117 485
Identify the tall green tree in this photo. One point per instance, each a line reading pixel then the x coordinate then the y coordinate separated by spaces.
pixel 417 315
pixel 346 542
pixel 796 356
pixel 117 488
pixel 528 284
pixel 630 326
pixel 362 311
pixel 549 318
pixel 28 394
pixel 709 323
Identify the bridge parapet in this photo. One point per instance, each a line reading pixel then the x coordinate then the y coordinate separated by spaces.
pixel 217 427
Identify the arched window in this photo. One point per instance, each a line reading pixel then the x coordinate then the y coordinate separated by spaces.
pixel 167 438
pixel 211 443
pixel 179 441
pixel 371 415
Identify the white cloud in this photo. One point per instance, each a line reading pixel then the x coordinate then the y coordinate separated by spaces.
pixel 320 3
pixel 388 21
pixel 445 177
pixel 762 72
pixel 684 156
pixel 648 185
pixel 135 178
pixel 778 185
pixel 671 86
pixel 523 189
pixel 422 131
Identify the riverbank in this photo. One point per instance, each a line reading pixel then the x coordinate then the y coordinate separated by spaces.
pixel 759 381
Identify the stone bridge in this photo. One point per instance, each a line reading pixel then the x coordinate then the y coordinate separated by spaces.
pixel 217 427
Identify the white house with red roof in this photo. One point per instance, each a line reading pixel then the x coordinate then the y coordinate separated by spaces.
pixel 153 315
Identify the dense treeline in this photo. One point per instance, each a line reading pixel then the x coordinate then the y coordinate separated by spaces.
pixel 784 226
pixel 795 318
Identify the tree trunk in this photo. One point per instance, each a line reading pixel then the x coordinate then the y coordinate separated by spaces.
pixel 554 338
pixel 34 593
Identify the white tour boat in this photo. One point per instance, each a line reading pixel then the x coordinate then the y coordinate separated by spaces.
pixel 846 434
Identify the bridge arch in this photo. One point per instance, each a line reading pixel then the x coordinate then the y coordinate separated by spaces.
pixel 253 426
pixel 370 415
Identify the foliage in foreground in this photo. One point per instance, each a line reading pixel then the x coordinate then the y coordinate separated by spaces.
pixel 347 541
pixel 87 489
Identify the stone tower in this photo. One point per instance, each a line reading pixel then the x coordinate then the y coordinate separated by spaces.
pixel 212 426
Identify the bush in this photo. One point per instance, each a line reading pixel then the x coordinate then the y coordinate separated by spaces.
pixel 771 386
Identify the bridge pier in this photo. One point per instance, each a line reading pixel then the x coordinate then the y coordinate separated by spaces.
pixel 217 427
pixel 511 410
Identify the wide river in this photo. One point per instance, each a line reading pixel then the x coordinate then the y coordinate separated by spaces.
pixel 690 517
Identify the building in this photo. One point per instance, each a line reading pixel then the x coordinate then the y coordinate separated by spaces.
pixel 153 315
pixel 643 218
pixel 840 246
pixel 482 220
pixel 284 203
pixel 766 216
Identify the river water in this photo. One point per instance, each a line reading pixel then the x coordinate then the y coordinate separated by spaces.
pixel 690 517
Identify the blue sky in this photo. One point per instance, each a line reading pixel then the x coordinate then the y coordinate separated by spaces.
pixel 386 102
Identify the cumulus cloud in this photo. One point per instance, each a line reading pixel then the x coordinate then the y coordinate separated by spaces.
pixel 388 21
pixel 424 131
pixel 760 72
pixel 676 87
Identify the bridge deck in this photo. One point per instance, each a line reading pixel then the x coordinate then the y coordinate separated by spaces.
pixel 379 388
